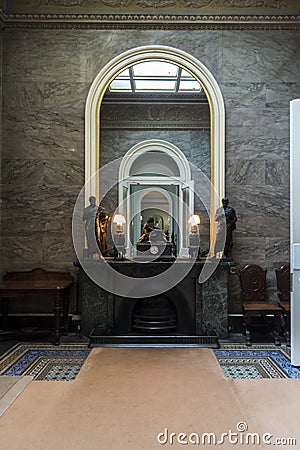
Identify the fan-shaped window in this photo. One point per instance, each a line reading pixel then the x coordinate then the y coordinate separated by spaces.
pixel 153 163
pixel 159 76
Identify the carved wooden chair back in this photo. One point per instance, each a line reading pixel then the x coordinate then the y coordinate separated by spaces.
pixel 283 283
pixel 254 301
pixel 253 283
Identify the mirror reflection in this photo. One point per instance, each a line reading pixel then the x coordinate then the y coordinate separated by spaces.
pixel 155 115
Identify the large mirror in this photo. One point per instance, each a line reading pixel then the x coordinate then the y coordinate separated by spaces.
pixel 155 115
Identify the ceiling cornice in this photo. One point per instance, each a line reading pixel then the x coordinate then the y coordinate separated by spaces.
pixel 161 20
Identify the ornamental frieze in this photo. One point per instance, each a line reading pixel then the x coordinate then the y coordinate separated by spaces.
pixel 85 6
pixel 155 116
pixel 151 14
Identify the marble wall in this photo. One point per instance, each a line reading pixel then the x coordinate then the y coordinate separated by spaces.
pixel 46 77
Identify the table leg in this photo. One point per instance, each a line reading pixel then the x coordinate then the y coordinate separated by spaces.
pixel 57 314
pixel 276 328
pixel 66 311
pixel 4 314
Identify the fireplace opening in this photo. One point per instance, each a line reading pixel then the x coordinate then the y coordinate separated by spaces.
pixel 154 315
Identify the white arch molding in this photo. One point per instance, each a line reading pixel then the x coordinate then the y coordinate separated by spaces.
pixel 187 62
pixel 159 145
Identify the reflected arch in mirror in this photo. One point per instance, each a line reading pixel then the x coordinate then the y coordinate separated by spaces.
pixel 169 192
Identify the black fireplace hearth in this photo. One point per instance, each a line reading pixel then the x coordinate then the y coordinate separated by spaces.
pixel 188 314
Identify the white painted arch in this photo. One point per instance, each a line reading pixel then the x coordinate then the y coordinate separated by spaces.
pixel 159 145
pixel 187 62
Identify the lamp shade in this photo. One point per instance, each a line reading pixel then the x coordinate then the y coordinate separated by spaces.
pixel 194 219
pixel 119 219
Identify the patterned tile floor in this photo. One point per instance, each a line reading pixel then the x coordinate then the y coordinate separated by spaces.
pixel 44 361
pixel 259 361
pixel 63 363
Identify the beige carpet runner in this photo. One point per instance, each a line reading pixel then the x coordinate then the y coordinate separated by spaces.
pixel 150 398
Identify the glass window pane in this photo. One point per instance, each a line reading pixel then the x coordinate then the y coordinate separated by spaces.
pixel 120 85
pixel 189 85
pixel 155 85
pixel 155 69
pixel 124 74
pixel 186 74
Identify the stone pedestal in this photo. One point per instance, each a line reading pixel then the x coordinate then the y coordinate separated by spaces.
pixel 201 308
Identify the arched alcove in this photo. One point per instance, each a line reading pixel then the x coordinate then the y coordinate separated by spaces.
pixel 183 60
pixel 156 166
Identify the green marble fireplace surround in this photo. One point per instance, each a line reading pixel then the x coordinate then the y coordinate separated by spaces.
pixel 201 309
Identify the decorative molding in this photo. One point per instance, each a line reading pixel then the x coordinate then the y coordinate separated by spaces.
pixel 218 6
pixel 147 126
pixel 151 21
pixel 137 116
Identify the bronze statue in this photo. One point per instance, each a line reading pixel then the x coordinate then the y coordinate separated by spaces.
pixel 102 220
pixel 147 228
pixel 151 232
pixel 89 216
pixel 225 234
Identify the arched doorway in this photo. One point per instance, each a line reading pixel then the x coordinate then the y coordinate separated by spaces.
pixel 155 179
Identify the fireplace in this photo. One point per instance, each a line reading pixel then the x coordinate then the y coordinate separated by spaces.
pixel 171 312
pixel 188 309
pixel 154 315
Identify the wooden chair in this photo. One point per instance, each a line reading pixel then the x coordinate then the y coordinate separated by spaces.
pixel 255 304
pixel 284 295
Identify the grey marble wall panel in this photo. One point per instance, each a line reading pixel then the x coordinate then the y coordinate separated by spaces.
pixel 38 210
pixel 245 172
pixel 248 250
pixel 26 222
pixel 258 122
pixel 58 249
pixel 259 56
pixel 260 224
pixel 22 94
pixel 244 94
pixel 268 200
pixel 65 95
pixel 200 151
pixel 279 95
pixel 46 133
pixel 45 55
pixel 277 250
pixel 243 145
pixel 20 251
pixel 69 173
pixel 278 172
pixel 18 172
